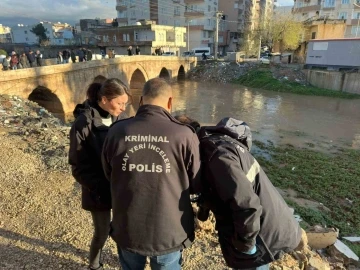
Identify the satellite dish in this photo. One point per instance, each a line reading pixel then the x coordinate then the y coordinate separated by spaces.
pixel 19 24
pixel 138 23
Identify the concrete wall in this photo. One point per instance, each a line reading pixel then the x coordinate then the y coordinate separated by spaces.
pixel 68 82
pixel 335 80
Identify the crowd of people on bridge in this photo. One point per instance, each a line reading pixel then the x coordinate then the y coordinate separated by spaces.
pixel 31 59
pixel 82 55
pixel 139 176
pixel 24 60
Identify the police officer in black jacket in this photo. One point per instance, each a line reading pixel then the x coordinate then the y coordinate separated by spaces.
pixel 105 104
pixel 254 224
pixel 152 162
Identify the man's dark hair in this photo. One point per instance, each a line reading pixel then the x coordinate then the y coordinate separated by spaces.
pixel 188 121
pixel 155 88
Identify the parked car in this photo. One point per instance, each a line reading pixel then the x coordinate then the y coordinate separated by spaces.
pixel 168 54
pixel 188 53
pixel 264 60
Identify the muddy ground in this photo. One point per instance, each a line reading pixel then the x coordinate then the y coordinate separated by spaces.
pixel 42 225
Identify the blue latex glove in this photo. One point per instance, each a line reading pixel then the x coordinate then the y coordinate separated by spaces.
pixel 251 252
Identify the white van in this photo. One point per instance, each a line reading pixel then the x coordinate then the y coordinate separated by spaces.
pixel 200 51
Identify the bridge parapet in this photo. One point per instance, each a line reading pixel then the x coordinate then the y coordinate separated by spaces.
pixel 68 82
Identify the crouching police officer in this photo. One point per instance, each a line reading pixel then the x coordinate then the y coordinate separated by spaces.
pixel 152 162
pixel 254 224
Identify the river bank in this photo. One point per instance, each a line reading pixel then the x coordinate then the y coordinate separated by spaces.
pixel 42 225
pixel 279 78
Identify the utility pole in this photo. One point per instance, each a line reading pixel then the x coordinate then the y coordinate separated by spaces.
pixel 216 38
pixel 188 35
pixel 259 52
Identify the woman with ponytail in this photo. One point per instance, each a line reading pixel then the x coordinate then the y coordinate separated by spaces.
pixel 105 104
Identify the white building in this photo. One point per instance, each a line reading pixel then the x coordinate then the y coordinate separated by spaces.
pixel 200 16
pixel 164 12
pixel 22 34
pixel 197 15
pixel 5 34
pixel 347 10
pixel 58 34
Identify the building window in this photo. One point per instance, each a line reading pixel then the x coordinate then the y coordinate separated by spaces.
pixel 126 37
pixel 136 36
pixel 26 39
pixel 345 2
pixel 177 11
pixel 114 38
pixel 313 35
pixel 329 3
pixel 25 32
pixel 236 5
pixel 209 22
pixel 204 34
pixel 209 8
pixel 355 30
pixel 299 4
pixel 356 15
pixel 343 15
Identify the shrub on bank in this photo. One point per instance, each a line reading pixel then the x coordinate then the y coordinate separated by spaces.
pixel 332 179
pixel 263 79
pixel 3 52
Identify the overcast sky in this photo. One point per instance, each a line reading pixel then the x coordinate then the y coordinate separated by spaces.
pixel 69 11
pixel 13 12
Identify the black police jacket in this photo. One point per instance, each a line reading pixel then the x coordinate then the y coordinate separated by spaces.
pixel 248 209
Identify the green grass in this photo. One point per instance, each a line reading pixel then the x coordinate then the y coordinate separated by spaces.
pixel 263 79
pixel 321 177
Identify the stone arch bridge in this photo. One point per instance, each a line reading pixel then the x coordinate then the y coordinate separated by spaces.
pixel 59 88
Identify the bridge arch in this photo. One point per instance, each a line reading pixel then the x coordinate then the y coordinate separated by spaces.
pixel 136 85
pixel 181 73
pixel 137 80
pixel 164 73
pixel 47 99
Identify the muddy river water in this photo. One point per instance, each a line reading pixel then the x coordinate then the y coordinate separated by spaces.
pixel 279 117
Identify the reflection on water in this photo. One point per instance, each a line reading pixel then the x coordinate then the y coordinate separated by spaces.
pixel 279 117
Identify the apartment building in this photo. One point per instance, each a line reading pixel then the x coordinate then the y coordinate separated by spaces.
pixel 347 10
pixel 164 12
pixel 58 34
pixel 244 18
pixel 197 15
pixel 148 36
pixel 5 34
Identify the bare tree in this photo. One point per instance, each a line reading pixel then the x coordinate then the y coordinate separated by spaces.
pixel 285 31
